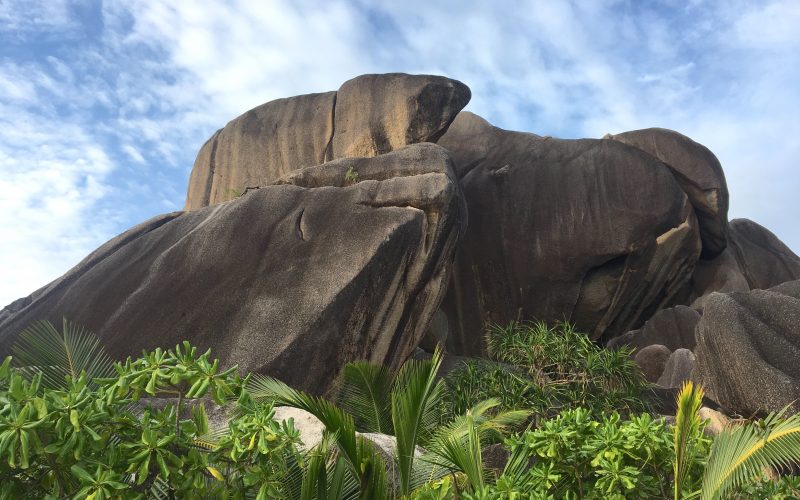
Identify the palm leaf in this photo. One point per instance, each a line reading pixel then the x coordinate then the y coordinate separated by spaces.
pixel 460 451
pixel 687 428
pixel 740 454
pixel 365 394
pixel 362 459
pixel 457 446
pixel 42 348
pixel 415 396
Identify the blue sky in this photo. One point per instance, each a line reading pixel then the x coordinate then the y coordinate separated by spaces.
pixel 103 105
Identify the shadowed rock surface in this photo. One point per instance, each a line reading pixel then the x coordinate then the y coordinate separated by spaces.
pixel 678 369
pixel 368 116
pixel 288 280
pixel 748 345
pixel 590 231
pixel 755 259
pixel 765 260
pixel 672 327
pixel 699 174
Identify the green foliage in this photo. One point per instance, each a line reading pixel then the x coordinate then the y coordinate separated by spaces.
pixel 744 452
pixel 73 424
pixel 687 438
pixel 56 355
pixel 63 434
pixel 547 369
pixel 366 394
pixel 457 446
pixel 351 176
pixel 364 463
pixel 576 456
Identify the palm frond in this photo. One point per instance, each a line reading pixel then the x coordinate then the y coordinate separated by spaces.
pixel 365 394
pixel 42 348
pixel 362 459
pixel 687 427
pixel 460 451
pixel 315 476
pixel 741 453
pixel 415 395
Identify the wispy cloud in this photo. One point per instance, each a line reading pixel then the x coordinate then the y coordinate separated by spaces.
pixel 105 105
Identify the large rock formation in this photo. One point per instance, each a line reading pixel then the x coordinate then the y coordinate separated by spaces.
pixel 331 239
pixel 591 231
pixel 368 116
pixel 294 280
pixel 748 344
pixel 699 174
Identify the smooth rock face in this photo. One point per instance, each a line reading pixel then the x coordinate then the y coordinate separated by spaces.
pixel 368 116
pixel 288 280
pixel 678 369
pixel 699 174
pixel 652 360
pixel 590 231
pixel 672 327
pixel 376 114
pixel 261 145
pixel 748 346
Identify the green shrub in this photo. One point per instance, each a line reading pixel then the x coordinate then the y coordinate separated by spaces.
pixel 574 455
pixel 76 437
pixel 548 369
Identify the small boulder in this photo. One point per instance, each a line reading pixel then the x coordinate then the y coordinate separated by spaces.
pixel 716 421
pixel 652 360
pixel 678 369
pixel 310 427
pixel 386 446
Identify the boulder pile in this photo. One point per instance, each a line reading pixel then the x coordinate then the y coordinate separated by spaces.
pixel 365 222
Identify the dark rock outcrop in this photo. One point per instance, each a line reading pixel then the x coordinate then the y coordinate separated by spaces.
pixel 294 280
pixel 672 327
pixel 755 259
pixel 699 174
pixel 595 232
pixel 748 345
pixel 765 261
pixel 368 116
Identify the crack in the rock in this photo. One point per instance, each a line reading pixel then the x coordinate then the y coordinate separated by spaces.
pixel 327 155
pixel 299 225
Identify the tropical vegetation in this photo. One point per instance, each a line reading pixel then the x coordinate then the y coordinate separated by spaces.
pixel 571 418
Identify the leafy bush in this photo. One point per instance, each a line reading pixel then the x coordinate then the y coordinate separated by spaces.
pixel 139 429
pixel 547 369
pixel 575 456
pixel 72 436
